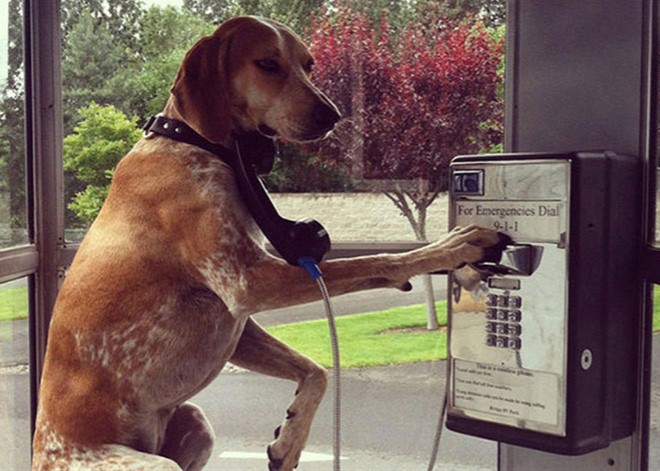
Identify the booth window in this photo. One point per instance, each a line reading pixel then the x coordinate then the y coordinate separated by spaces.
pixel 13 202
pixel 14 240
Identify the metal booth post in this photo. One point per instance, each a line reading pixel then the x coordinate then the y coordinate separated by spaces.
pixel 580 76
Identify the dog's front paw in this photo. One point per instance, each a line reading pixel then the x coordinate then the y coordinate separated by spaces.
pixel 466 245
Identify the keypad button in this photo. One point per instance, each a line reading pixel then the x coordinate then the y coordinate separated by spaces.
pixel 502 328
pixel 515 343
pixel 515 301
pixel 491 313
pixel 515 329
pixel 491 327
pixel 502 315
pixel 491 340
pixel 515 315
pixel 491 300
pixel 503 301
pixel 502 342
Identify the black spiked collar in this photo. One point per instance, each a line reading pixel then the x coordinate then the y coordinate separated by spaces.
pixel 254 148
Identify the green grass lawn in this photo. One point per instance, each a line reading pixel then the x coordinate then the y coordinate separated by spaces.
pixel 372 339
pixel 656 308
pixel 387 337
pixel 392 336
pixel 13 303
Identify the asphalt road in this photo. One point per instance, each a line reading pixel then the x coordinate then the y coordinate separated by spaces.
pixel 389 417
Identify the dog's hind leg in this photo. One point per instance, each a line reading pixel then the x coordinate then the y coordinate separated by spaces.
pixel 258 351
pixel 188 438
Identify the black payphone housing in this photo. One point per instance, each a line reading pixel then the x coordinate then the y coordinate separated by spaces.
pixel 587 399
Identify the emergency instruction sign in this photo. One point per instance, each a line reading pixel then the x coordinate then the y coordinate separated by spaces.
pixel 530 220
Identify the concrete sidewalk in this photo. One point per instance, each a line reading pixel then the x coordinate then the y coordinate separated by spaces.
pixel 14 344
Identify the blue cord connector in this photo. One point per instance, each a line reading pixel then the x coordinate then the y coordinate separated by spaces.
pixel 311 267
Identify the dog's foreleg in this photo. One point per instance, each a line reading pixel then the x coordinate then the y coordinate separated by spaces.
pixel 258 351
pixel 271 283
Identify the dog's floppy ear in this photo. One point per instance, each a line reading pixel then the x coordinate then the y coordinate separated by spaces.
pixel 201 86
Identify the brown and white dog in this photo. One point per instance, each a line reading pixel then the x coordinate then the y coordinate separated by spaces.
pixel 160 293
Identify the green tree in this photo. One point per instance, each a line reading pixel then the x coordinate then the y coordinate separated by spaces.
pixel 90 60
pixel 98 67
pixel 167 29
pixel 12 125
pixel 397 13
pixel 212 10
pixel 297 170
pixel 120 17
pixel 97 144
pixel 430 13
pixel 166 35
pixel 293 13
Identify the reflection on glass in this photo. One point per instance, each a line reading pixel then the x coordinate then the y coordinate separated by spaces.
pixel 417 83
pixel 14 376
pixel 13 211
pixel 410 102
pixel 654 452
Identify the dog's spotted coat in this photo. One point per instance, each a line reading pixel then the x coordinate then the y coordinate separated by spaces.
pixel 160 293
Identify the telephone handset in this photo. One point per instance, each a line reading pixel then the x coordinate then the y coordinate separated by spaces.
pixel 509 258
pixel 292 239
pixel 254 155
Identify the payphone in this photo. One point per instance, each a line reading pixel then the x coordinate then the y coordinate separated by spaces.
pixel 541 339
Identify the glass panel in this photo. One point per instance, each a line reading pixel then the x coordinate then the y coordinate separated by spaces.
pixel 657 206
pixel 13 208
pixel 655 238
pixel 417 83
pixel 410 103
pixel 654 452
pixel 14 376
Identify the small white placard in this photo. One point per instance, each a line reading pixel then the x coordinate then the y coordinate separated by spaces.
pixel 511 393
pixel 523 220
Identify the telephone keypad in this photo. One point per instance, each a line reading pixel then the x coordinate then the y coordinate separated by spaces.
pixel 503 314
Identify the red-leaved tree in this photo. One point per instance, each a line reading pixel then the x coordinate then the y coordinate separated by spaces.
pixel 411 101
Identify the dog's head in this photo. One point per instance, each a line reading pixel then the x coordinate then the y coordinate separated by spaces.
pixel 252 74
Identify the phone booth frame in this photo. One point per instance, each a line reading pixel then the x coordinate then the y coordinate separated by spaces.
pixel 581 75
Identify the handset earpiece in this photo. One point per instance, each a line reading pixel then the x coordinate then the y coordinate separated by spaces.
pixel 293 240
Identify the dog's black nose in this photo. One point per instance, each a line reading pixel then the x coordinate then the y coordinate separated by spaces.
pixel 325 116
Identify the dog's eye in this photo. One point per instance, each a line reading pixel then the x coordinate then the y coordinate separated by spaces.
pixel 267 65
pixel 309 66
